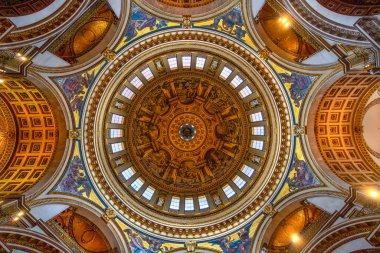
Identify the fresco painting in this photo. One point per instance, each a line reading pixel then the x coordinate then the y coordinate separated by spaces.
pixel 140 243
pixel 296 85
pixel 231 244
pixel 76 181
pixel 141 23
pixel 300 175
pixel 232 23
pixel 75 88
pixel 239 242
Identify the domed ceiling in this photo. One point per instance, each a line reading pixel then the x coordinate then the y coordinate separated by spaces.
pixel 160 125
pixel 178 9
pixel 187 135
pixel 7 133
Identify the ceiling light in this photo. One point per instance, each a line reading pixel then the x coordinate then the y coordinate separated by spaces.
pixel 23 58
pixel 295 238
pixel 16 218
pixel 284 21
pixel 21 213
pixel 374 194
pixel 1 81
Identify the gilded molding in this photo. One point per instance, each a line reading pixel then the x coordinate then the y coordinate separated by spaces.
pixel 108 54
pixel 153 226
pixel 319 23
pixel 74 134
pixel 41 30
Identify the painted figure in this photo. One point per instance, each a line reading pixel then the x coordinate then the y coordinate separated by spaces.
pixel 300 85
pixel 140 20
pixel 75 180
pixel 241 245
pixel 302 177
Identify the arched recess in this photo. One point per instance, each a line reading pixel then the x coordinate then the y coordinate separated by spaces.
pixel 29 30
pixel 352 7
pixel 335 134
pixel 81 42
pixel 321 21
pixel 293 34
pixel 15 8
pixel 39 136
pixel 302 214
pixel 87 42
pixel 177 9
pixel 82 231
pixel 353 235
pixel 15 239
pixel 50 207
pixel 281 37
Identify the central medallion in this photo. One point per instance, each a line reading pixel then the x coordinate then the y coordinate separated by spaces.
pixel 187 132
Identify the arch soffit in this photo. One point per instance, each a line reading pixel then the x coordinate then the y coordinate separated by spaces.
pixel 285 207
pixel 94 57
pixel 89 210
pixel 38 139
pixel 279 59
pixel 355 89
pixel 57 100
pixel 341 233
pixel 35 235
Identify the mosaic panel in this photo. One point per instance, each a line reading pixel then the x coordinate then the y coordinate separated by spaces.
pixel 75 88
pixel 76 182
pixel 231 23
pixel 141 23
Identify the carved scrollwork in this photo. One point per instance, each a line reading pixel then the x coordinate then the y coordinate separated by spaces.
pixel 172 161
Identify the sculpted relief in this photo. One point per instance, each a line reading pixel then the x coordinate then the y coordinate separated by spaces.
pixel 187 133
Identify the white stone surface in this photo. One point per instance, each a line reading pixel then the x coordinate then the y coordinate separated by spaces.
pixel 353 245
pixel 116 6
pixel 47 212
pixel 48 59
pixel 328 204
pixel 257 6
pixel 321 58
pixel 37 16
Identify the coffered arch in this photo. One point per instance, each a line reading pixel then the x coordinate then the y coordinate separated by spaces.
pixel 337 127
pixel 352 7
pixel 37 144
pixel 21 7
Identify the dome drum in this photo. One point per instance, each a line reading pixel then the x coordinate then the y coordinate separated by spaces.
pixel 159 174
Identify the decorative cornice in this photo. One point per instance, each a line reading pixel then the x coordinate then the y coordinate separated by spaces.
pixel 320 24
pixel 152 226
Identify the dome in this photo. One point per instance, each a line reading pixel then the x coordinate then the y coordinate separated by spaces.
pixel 186 137
pixel 203 126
